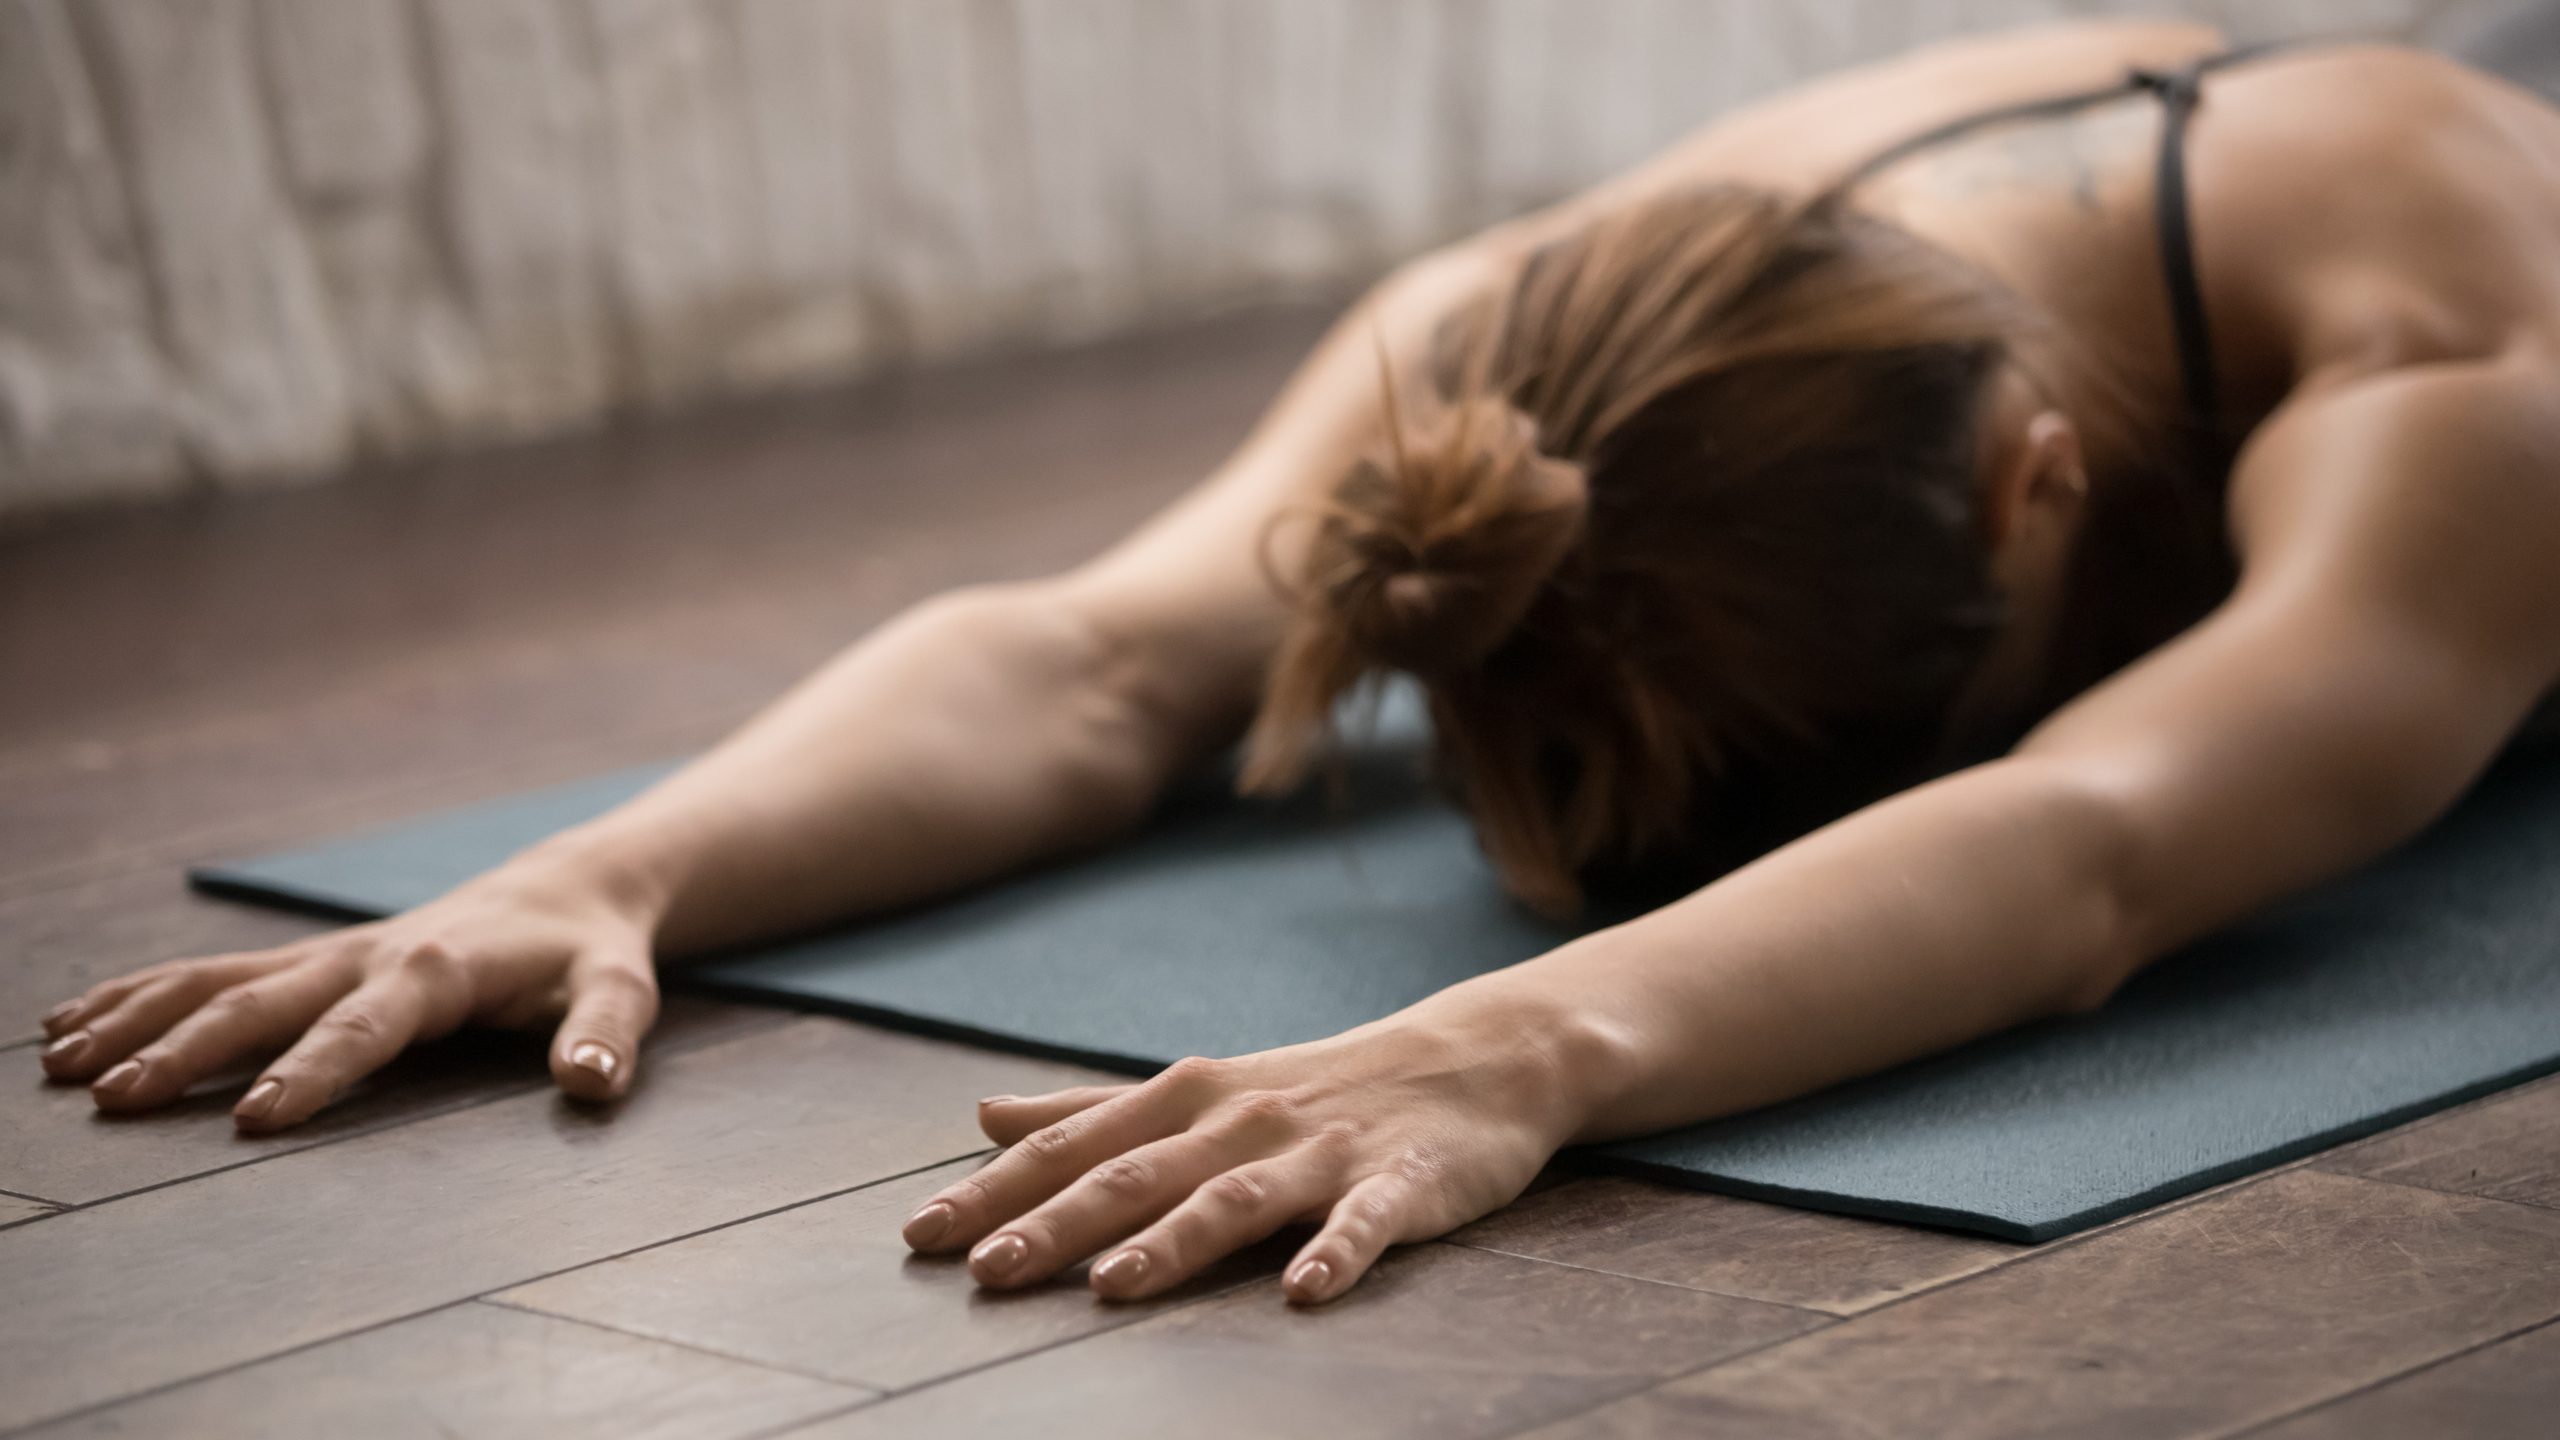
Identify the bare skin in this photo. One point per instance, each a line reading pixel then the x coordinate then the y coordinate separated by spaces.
pixel 2375 230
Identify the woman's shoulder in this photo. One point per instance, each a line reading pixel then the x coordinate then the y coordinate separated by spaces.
pixel 1809 133
pixel 2365 207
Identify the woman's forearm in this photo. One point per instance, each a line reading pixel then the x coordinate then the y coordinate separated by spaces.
pixel 992 728
pixel 974 734
pixel 1969 905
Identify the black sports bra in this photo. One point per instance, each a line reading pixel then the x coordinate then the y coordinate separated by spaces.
pixel 2179 90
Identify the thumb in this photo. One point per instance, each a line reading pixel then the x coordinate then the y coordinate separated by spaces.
pixel 613 1000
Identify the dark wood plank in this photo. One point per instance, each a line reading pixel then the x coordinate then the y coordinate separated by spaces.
pixel 829 1289
pixel 2201 1319
pixel 199 608
pixel 211 683
pixel 58 942
pixel 384 745
pixel 174 669
pixel 182 1281
pixel 476 1370
pixel 382 749
pixel 1440 1341
pixel 55 1144
pixel 1833 1263
pixel 2506 1391
pixel 2505 1148
pixel 397 735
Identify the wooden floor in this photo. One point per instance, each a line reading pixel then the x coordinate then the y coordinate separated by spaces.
pixel 454 1251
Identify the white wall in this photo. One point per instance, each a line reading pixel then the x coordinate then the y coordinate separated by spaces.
pixel 251 240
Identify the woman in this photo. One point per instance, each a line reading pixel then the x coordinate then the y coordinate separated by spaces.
pixel 2170 471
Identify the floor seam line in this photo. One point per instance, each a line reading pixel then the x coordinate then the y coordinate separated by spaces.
pixel 2048 1247
pixel 2067 1240
pixel 791 1427
pixel 2035 1250
pixel 1648 1387
pixel 1000 1362
pixel 728 1224
pixel 2440 1190
pixel 257 1360
pixel 1642 1279
pixel 516 1090
pixel 218 1371
pixel 518 1307
pixel 2394 1378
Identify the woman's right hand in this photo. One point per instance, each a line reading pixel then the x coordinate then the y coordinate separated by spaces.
pixel 532 940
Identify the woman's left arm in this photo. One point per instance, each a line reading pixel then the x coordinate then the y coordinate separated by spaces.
pixel 2398 617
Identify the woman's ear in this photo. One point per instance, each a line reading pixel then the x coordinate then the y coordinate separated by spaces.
pixel 2038 479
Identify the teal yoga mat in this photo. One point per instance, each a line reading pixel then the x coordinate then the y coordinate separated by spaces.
pixel 1231 926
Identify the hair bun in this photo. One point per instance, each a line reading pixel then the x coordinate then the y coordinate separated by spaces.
pixel 1430 557
pixel 1425 559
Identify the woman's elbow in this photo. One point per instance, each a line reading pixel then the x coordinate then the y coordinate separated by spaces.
pixel 1073 701
pixel 2117 923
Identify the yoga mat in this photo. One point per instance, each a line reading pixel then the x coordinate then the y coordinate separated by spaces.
pixel 1233 926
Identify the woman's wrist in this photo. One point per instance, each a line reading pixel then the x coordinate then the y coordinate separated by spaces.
pixel 1577 1060
pixel 627 868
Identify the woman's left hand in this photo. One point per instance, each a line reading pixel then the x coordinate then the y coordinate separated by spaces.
pixel 1398 1131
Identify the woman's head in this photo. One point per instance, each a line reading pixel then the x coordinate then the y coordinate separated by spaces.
pixel 1688 537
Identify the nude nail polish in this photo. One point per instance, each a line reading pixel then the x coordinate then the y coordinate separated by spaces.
pixel 1122 1272
pixel 261 1100
pixel 69 1048
pixel 1001 1256
pixel 595 1059
pixel 929 1224
pixel 61 1012
pixel 1311 1279
pixel 118 1080
pixel 997 1100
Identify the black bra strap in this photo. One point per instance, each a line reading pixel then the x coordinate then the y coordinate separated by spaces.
pixel 2179 90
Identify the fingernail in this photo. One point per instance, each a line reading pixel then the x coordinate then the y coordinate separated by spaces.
pixel 1122 1272
pixel 60 1013
pixel 929 1224
pixel 118 1080
pixel 1001 1256
pixel 69 1048
pixel 997 1100
pixel 261 1100
pixel 594 1058
pixel 1311 1279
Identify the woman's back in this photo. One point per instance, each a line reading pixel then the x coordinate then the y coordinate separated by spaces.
pixel 2354 206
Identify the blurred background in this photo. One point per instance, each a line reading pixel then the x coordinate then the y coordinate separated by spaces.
pixel 248 242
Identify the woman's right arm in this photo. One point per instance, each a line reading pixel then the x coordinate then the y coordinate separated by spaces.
pixel 976 733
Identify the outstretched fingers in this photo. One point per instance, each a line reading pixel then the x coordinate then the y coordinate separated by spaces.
pixel 98 999
pixel 1044 1162
pixel 1370 1216
pixel 246 1022
pixel 109 1023
pixel 1226 1213
pixel 1009 1119
pixel 613 1000
pixel 1105 1204
pixel 352 1038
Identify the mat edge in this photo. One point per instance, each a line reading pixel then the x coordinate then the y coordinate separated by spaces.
pixel 230 884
